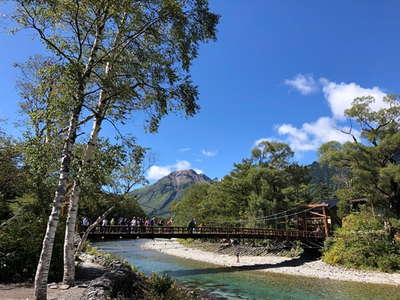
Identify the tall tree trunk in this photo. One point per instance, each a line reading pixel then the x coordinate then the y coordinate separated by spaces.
pixel 69 250
pixel 43 267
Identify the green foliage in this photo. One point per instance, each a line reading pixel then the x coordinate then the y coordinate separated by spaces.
pixel 12 175
pixel 369 166
pixel 325 180
pixel 163 287
pixel 20 247
pixel 362 242
pixel 94 205
pixel 191 205
pixel 149 46
pixel 160 284
pixel 262 185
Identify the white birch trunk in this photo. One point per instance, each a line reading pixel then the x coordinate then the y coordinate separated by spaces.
pixel 69 250
pixel 69 253
pixel 42 271
pixel 43 267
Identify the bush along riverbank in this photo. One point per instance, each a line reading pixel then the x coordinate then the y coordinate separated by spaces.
pixel 365 242
pixel 124 281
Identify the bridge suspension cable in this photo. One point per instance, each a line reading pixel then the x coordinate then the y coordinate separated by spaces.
pixel 269 217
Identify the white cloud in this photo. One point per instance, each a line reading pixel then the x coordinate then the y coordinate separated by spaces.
pixel 341 95
pixel 185 149
pixel 305 84
pixel 311 135
pixel 209 153
pixel 158 172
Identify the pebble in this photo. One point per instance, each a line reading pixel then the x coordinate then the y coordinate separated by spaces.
pixel 64 287
pixel 52 285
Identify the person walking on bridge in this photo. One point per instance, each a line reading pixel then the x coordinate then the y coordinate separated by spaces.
pixel 191 225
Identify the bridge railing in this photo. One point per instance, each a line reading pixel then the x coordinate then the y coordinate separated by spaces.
pixel 204 231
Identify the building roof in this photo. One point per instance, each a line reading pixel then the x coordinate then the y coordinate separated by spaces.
pixel 331 203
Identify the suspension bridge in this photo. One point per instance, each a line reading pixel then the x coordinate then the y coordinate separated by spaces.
pixel 309 224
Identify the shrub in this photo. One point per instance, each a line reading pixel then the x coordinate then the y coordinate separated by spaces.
pixel 160 284
pixel 389 263
pixel 163 287
pixel 363 243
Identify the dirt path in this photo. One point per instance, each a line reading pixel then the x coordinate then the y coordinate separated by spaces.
pixel 86 272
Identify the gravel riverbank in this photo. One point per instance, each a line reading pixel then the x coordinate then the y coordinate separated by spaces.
pixel 276 264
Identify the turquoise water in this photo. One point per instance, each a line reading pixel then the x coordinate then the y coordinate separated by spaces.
pixel 234 283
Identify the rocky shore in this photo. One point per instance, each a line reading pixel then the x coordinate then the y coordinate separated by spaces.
pixel 299 266
pixel 119 282
pixel 102 277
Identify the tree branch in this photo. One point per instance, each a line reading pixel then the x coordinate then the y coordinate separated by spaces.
pixel 43 35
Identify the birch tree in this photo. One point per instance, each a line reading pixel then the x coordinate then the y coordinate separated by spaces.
pixel 77 53
pixel 145 68
pixel 119 57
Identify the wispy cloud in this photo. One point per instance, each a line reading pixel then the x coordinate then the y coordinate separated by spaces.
pixel 305 84
pixel 209 153
pixel 185 149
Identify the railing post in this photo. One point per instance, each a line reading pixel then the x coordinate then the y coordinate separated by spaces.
pixel 326 226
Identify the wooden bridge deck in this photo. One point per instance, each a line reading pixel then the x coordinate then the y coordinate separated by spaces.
pixel 151 232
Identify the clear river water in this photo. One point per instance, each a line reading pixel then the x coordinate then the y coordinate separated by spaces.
pixel 228 283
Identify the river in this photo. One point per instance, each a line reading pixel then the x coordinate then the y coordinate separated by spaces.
pixel 228 283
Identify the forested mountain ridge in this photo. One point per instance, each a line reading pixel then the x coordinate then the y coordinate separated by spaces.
pixel 156 199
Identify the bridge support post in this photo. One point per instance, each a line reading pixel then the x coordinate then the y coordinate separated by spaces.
pixel 326 225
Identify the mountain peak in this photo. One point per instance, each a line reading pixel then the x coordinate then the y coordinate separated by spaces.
pixel 186 176
pixel 184 172
pixel 157 198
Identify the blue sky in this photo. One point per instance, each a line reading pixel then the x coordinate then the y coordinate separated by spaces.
pixel 280 70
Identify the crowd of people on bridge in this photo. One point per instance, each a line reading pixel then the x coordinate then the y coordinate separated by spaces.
pixel 137 222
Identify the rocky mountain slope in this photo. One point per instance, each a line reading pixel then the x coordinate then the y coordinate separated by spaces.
pixel 156 199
